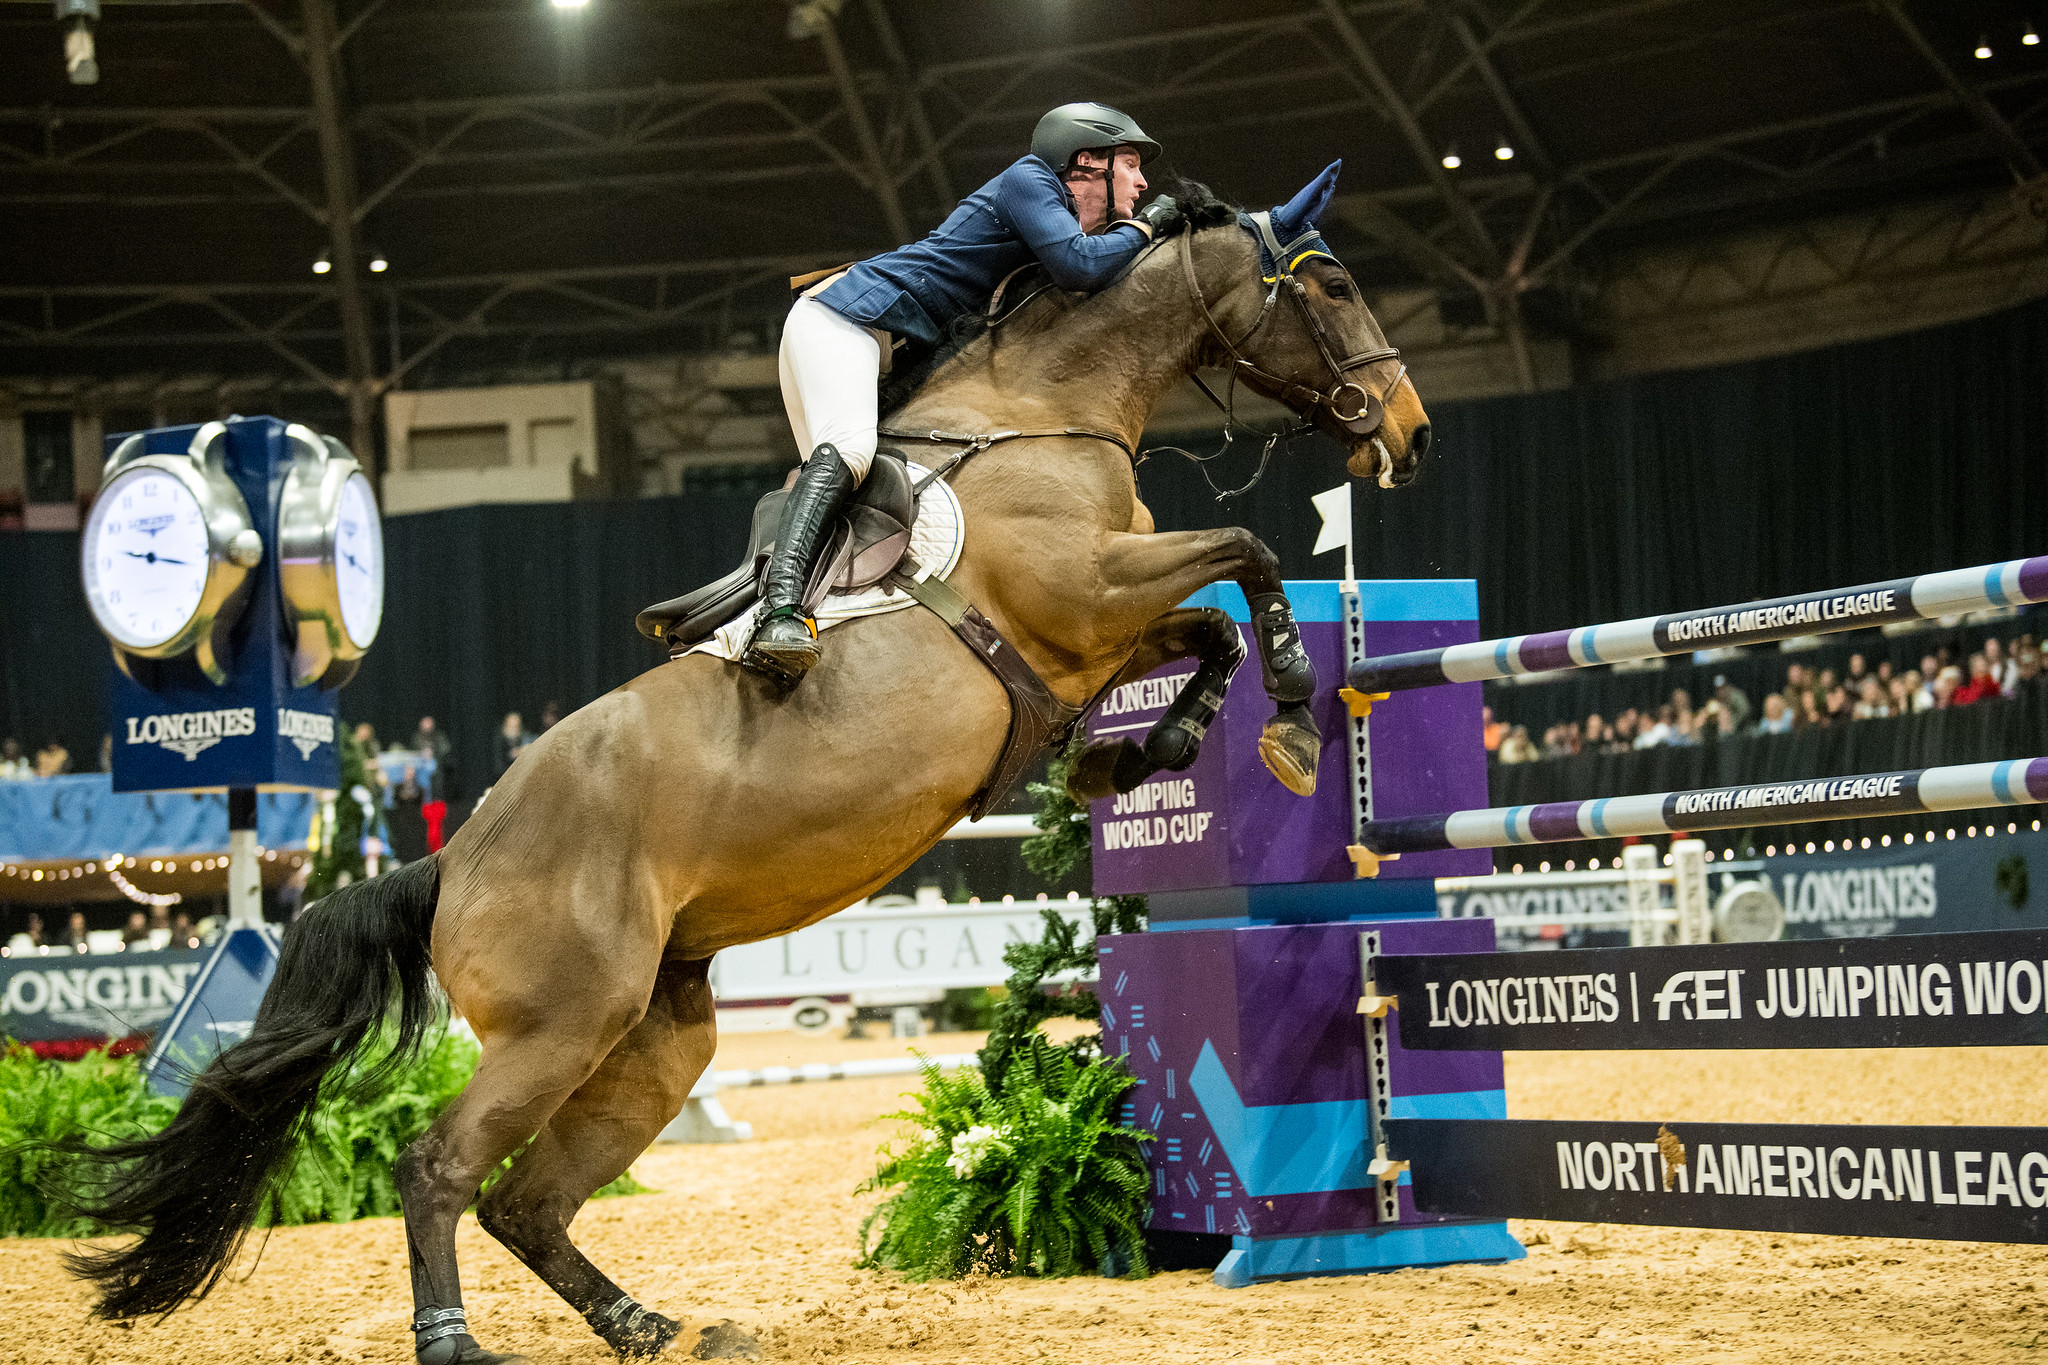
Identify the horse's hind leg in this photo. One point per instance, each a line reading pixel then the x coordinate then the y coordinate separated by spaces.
pixel 521 1080
pixel 590 1141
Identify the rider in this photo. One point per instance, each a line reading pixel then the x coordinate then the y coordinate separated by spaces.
pixel 1069 204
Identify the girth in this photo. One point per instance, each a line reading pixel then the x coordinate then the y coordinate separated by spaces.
pixel 1038 719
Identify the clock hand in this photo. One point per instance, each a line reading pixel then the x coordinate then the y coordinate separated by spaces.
pixel 154 558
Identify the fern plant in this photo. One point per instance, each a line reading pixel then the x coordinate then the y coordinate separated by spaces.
pixel 342 1169
pixel 96 1096
pixel 1021 1166
pixel 1038 1179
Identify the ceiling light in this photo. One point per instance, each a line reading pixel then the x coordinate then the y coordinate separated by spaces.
pixel 378 265
pixel 324 264
pixel 1451 158
pixel 1504 152
pixel 2030 38
pixel 1983 49
pixel 571 4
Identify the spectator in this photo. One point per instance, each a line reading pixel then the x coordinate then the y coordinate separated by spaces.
pixel 1923 689
pixel 1518 747
pixel 136 931
pixel 1839 706
pixel 513 739
pixel 53 760
pixel 1735 702
pixel 1665 731
pixel 181 927
pixel 2026 668
pixel 74 933
pixel 2003 673
pixel 429 742
pixel 34 933
pixel 1871 701
pixel 1809 713
pixel 1930 669
pixel 408 825
pixel 1858 667
pixel 1945 684
pixel 1598 735
pixel 1492 730
pixel 1777 716
pixel 13 766
pixel 550 716
pixel 1885 673
pixel 1626 726
pixel 1901 696
pixel 1684 720
pixel 1982 686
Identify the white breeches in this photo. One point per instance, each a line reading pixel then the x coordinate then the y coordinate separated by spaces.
pixel 830 367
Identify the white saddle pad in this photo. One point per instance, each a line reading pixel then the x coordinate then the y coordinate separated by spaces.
pixel 936 539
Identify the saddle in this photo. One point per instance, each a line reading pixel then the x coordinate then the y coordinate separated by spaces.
pixel 865 546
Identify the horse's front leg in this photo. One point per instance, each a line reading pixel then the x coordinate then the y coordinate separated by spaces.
pixel 1175 739
pixel 1149 574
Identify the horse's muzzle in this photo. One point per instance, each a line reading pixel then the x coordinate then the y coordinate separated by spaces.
pixel 1374 459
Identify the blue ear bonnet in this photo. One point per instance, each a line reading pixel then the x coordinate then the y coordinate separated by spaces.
pixel 1287 235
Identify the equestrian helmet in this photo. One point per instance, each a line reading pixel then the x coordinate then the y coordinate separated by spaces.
pixel 1083 125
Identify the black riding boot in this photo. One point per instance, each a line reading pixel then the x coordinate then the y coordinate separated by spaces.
pixel 785 644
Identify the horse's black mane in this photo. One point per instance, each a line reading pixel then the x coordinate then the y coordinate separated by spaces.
pixel 915 364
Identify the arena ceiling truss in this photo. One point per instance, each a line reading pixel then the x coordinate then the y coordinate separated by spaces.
pixel 640 174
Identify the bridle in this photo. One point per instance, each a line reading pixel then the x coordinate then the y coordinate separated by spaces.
pixel 1353 406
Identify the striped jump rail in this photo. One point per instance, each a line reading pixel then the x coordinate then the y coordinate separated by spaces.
pixel 1949 593
pixel 1968 786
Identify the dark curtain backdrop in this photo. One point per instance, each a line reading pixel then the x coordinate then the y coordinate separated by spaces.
pixel 1983 733
pixel 1821 470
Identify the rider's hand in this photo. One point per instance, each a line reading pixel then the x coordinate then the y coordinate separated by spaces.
pixel 1162 215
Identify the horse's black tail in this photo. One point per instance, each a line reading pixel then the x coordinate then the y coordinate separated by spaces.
pixel 194 1188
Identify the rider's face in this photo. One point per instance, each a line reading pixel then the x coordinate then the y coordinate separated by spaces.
pixel 1091 203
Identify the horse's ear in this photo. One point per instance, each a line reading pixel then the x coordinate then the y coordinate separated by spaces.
pixel 1301 213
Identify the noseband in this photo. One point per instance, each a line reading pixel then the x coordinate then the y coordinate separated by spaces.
pixel 1353 406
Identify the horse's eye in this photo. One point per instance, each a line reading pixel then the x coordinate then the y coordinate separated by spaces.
pixel 1338 289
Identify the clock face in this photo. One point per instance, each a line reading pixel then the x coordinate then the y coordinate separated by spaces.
pixel 146 557
pixel 359 562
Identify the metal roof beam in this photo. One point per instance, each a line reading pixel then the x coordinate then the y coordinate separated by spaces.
pixel 1427 155
pixel 2019 157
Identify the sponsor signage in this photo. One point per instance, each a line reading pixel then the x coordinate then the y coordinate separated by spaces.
pixel 1918 990
pixel 47 998
pixel 871 949
pixel 1950 1183
pixel 1225 822
pixel 174 729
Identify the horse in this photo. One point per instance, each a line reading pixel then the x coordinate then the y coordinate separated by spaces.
pixel 572 921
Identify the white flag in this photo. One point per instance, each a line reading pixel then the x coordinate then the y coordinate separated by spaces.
pixel 1335 507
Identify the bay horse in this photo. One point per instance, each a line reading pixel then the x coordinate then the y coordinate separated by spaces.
pixel 573 919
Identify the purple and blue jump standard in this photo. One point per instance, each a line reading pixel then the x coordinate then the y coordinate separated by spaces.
pixel 1223 845
pixel 1260 1065
pixel 1266 1095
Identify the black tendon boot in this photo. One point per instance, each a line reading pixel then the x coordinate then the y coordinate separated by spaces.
pixel 785 644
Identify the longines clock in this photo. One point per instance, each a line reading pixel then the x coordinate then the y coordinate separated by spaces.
pixel 330 559
pixel 167 552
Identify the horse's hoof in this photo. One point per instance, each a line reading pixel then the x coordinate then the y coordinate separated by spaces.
pixel 725 1340
pixel 1290 751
